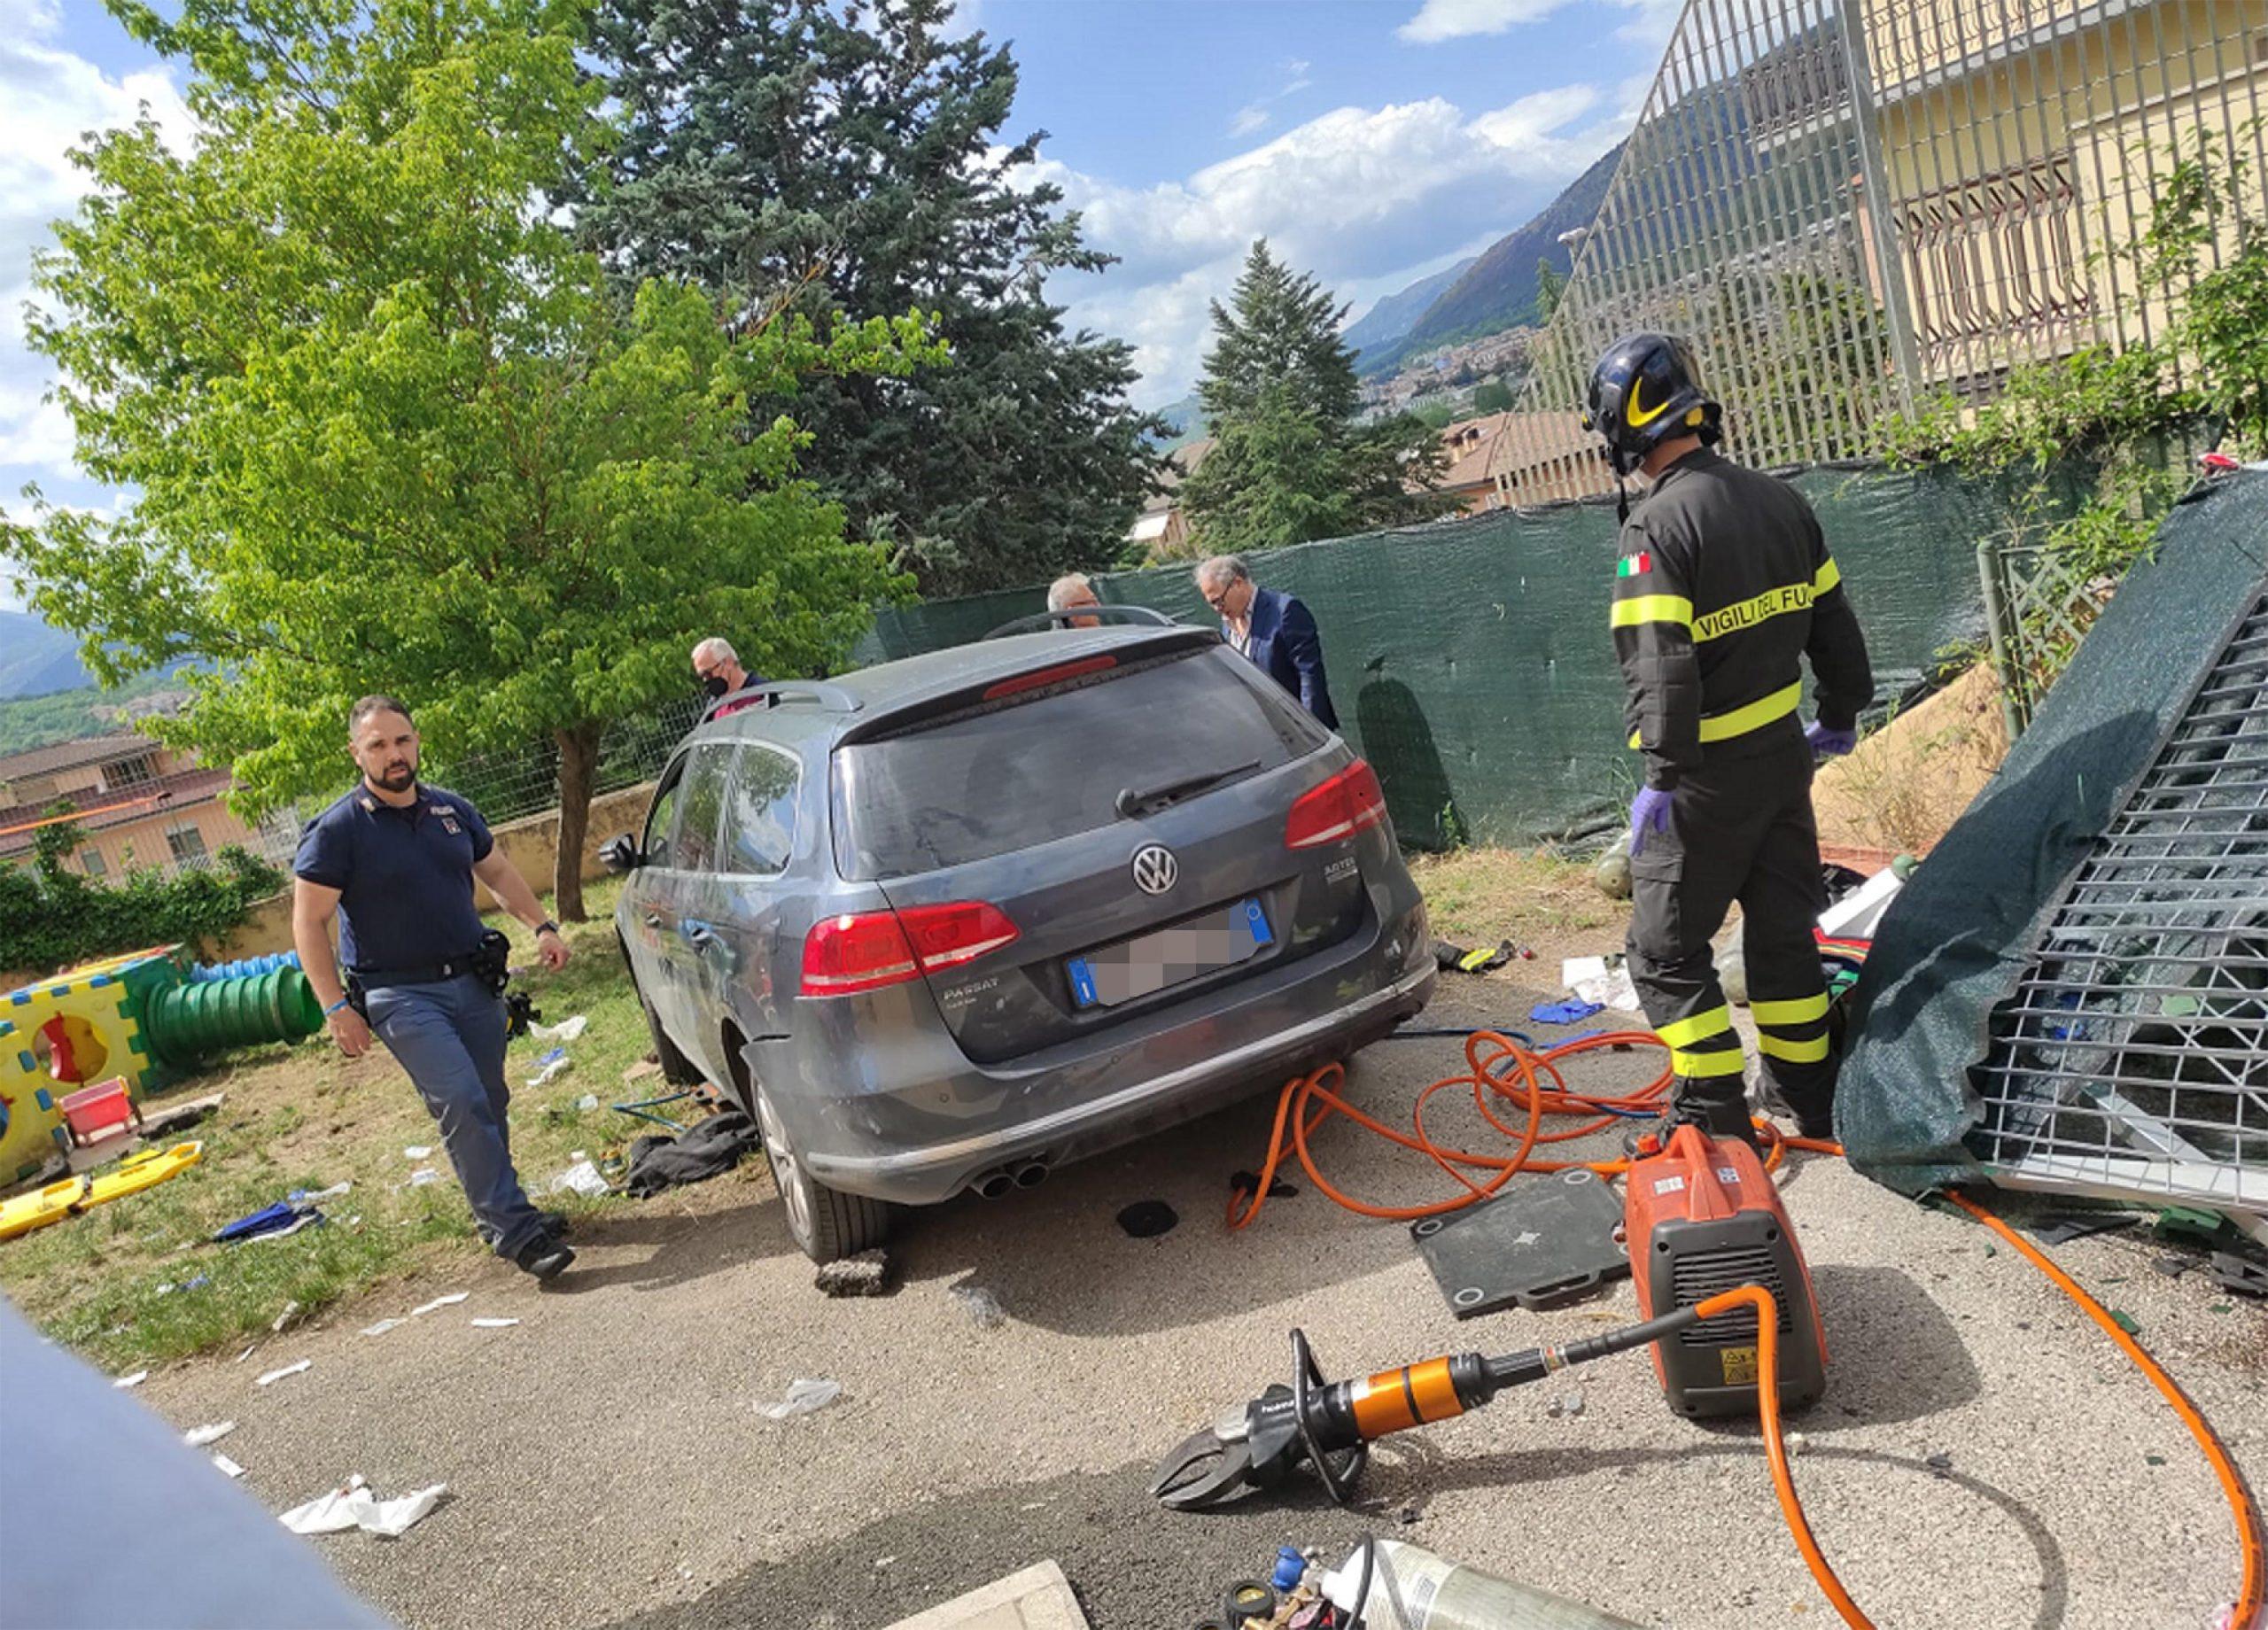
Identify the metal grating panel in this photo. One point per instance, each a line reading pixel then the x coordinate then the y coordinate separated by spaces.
pixel 2133 1058
pixel 1696 1276
pixel 1852 206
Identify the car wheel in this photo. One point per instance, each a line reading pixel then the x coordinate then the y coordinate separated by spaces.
pixel 826 1224
pixel 677 1069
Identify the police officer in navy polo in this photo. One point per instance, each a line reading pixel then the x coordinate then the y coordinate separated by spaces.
pixel 394 860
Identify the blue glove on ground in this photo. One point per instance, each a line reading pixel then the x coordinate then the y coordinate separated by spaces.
pixel 1828 742
pixel 1649 809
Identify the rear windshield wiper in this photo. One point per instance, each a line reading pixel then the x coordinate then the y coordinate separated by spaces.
pixel 1131 803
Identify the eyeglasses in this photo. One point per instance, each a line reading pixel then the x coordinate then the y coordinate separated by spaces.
pixel 1220 602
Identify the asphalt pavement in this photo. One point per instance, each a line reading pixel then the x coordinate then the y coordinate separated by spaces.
pixel 609 1462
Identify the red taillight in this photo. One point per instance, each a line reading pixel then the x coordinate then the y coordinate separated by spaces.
pixel 1336 811
pixel 867 949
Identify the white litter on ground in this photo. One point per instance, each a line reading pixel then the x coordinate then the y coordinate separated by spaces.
pixel 288 1369
pixel 556 1064
pixel 1590 980
pixel 494 1323
pixel 450 1300
pixel 301 1197
pixel 290 1311
pixel 352 1505
pixel 382 1327
pixel 580 1178
pixel 305 1219
pixel 419 1178
pixel 565 1030
pixel 805 1395
pixel 198 1437
pixel 416 1151
pixel 136 1380
pixel 248 1352
pixel 228 1466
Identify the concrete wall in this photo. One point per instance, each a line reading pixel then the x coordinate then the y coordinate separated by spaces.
pixel 533 842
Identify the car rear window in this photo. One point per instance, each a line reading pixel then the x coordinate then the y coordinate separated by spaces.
pixel 1025 770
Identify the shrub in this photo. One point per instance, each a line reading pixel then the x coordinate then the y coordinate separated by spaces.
pixel 51 917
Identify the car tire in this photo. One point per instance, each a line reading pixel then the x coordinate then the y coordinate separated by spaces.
pixel 677 1069
pixel 826 1224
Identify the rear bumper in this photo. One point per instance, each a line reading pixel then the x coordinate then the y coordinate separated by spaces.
pixel 929 1173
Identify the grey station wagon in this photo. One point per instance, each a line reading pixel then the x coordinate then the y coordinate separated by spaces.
pixel 951 922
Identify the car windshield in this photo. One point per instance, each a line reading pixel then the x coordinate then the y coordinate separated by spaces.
pixel 1022 770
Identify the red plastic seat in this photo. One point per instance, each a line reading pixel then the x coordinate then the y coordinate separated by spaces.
pixel 105 1110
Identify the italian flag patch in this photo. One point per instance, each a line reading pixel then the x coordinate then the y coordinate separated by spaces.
pixel 1633 565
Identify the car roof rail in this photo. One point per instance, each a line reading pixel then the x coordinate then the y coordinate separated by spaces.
pixel 1047 619
pixel 833 698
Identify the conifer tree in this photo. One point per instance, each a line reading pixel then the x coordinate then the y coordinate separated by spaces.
pixel 1290 464
pixel 851 155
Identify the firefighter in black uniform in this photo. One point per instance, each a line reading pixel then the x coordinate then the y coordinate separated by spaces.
pixel 1723 586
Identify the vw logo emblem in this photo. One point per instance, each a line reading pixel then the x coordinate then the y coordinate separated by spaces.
pixel 1155 870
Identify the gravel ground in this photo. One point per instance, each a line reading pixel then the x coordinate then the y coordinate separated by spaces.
pixel 608 1465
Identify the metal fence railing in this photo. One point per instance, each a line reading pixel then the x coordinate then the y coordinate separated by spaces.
pixel 503 785
pixel 2038 605
pixel 507 786
pixel 1852 205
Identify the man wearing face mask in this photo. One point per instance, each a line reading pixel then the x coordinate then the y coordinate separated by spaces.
pixel 394 860
pixel 716 669
pixel 1723 588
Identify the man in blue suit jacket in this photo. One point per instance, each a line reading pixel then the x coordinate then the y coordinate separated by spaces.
pixel 1270 628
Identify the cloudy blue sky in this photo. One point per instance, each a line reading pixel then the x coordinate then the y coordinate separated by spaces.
pixel 1371 141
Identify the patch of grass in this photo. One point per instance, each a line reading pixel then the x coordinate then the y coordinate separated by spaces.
pixel 1481 896
pixel 113 1284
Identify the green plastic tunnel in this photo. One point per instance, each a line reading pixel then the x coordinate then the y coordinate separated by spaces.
pixel 191 1022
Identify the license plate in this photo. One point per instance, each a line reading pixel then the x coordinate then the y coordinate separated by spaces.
pixel 1154 962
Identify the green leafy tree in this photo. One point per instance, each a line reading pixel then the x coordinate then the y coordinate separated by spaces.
pixel 390 427
pixel 1494 396
pixel 1550 284
pixel 851 155
pixel 1289 464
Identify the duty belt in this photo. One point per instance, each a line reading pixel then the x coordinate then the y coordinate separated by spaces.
pixel 431 974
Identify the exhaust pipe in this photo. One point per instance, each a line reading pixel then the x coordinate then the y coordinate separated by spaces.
pixel 1031 1174
pixel 995 1183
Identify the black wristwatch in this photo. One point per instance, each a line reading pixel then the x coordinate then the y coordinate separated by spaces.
pixel 545 927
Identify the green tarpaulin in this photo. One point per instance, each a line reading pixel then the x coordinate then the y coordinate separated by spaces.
pixel 1470 660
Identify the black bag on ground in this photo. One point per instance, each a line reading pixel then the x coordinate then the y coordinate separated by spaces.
pixel 700 1152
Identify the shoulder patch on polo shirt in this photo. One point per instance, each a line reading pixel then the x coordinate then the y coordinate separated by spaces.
pixel 1634 565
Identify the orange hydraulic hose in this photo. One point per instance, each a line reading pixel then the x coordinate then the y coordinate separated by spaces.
pixel 2252 1591
pixel 1499 1067
pixel 1488 1052
pixel 1767 1412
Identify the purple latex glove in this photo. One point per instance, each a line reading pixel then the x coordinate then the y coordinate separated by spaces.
pixel 1826 741
pixel 1649 811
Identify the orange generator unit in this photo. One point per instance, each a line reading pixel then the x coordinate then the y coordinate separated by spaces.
pixel 1701 1216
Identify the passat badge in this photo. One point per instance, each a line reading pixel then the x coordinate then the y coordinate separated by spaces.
pixel 1155 870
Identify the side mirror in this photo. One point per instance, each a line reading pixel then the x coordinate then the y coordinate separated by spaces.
pixel 620 855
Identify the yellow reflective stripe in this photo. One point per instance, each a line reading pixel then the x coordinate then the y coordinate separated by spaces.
pixel 1810 1050
pixel 1748 613
pixel 1685 1032
pixel 1704 1065
pixel 1755 716
pixel 1795 1010
pixel 1651 608
pixel 1826 578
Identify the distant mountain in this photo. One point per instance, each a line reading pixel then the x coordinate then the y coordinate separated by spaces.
pixel 35 659
pixel 1186 418
pixel 1497 291
pixel 1395 315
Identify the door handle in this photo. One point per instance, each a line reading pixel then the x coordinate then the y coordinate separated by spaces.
pixel 653 920
pixel 700 935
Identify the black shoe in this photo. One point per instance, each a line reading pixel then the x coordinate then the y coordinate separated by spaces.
pixel 555 1223
pixel 544 1257
pixel 1818 1124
